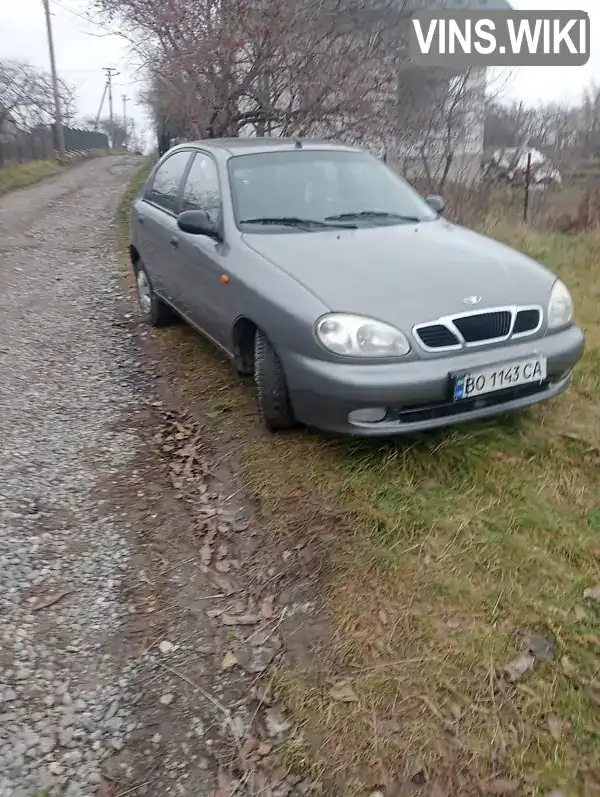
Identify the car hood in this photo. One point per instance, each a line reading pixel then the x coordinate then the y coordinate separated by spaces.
pixel 406 274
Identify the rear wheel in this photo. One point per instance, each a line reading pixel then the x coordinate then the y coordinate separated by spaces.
pixel 271 388
pixel 155 311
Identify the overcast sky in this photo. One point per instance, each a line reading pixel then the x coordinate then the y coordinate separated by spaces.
pixel 83 49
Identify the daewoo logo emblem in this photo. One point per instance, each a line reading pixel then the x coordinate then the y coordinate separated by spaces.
pixel 471 299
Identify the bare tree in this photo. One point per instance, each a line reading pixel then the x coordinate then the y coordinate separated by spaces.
pixel 228 67
pixel 115 130
pixel 26 95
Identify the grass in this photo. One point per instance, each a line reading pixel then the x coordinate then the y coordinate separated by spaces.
pixel 20 175
pixel 439 550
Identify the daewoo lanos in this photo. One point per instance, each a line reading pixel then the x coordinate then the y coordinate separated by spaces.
pixel 354 304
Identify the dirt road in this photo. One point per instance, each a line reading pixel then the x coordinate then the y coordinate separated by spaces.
pixel 132 634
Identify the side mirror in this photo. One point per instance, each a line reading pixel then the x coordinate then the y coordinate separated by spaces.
pixel 437 203
pixel 197 222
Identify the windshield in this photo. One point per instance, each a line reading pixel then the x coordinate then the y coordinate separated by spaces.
pixel 311 190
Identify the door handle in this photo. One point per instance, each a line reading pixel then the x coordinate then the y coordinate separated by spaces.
pixel 174 242
pixel 140 218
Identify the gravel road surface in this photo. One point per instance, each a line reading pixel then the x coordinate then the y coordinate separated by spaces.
pixel 129 646
pixel 61 396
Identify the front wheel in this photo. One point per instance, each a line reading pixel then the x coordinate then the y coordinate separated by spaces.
pixel 155 311
pixel 271 388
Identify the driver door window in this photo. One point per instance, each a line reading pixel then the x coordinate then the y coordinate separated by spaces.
pixel 202 190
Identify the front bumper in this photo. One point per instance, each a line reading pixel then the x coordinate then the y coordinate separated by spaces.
pixel 323 394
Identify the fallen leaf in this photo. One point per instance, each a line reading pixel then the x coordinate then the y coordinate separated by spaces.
pixel 555 727
pixel 223 566
pixel 229 661
pixel 266 607
pixel 248 748
pixel 205 554
pixel 225 785
pixel 343 692
pixel 517 668
pixel 276 723
pixel 592 592
pixel 261 695
pixel 104 789
pixel 568 667
pixel 502 786
pixel 256 659
pixel 580 613
pixel 223 550
pixel 383 618
pixel 225 584
pixel 263 749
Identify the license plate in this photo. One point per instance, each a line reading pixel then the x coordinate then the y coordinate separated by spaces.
pixel 499 377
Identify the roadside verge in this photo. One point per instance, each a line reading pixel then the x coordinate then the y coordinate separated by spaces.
pixel 20 175
pixel 456 644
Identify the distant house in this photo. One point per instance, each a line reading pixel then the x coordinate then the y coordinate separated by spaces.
pixel 465 163
pixel 467 144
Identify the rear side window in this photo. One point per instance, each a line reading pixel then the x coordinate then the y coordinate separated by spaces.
pixel 202 190
pixel 167 180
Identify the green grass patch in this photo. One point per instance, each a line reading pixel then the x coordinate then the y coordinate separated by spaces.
pixel 20 175
pixel 453 542
pixel 439 550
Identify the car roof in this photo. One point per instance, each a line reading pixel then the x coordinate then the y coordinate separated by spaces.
pixel 245 146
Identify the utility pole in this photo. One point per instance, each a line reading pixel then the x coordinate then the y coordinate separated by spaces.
pixel 101 106
pixel 125 119
pixel 60 136
pixel 110 74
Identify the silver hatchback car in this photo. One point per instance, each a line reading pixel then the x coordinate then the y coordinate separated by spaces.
pixel 357 308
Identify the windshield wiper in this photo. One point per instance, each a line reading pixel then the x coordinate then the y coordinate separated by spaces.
pixel 373 214
pixel 294 221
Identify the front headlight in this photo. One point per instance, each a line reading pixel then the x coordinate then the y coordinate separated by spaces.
pixel 560 307
pixel 357 336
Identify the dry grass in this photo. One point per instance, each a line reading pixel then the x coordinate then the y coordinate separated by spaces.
pixel 20 175
pixel 443 547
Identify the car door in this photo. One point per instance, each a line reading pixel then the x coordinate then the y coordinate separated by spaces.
pixel 156 222
pixel 203 258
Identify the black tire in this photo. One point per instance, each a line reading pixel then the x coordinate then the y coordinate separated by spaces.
pixel 155 312
pixel 271 388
